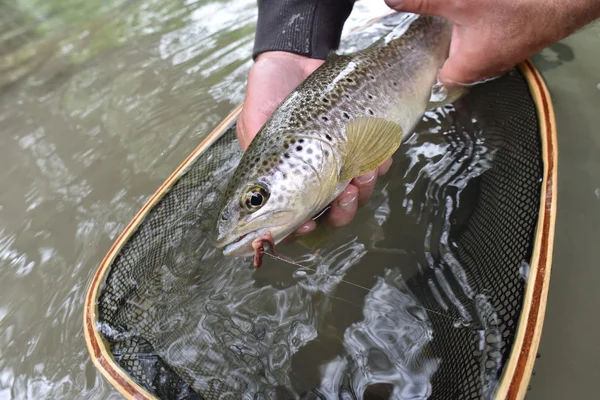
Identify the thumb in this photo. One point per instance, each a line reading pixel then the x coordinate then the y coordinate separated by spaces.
pixel 458 71
pixel 471 61
pixel 442 8
pixel 458 68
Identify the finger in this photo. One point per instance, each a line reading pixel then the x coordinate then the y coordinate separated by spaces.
pixel 305 228
pixel 344 207
pixel 460 68
pixel 470 62
pixel 302 230
pixel 443 8
pixel 365 185
pixel 385 167
pixel 456 72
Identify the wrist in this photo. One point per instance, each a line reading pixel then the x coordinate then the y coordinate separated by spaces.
pixel 308 64
pixel 282 55
pixel 583 12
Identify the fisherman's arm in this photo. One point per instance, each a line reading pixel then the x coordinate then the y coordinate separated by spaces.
pixel 310 28
pixel 492 36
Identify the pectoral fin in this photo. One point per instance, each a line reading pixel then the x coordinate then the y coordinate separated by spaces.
pixel 371 141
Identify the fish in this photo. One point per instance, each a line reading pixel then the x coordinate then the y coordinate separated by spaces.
pixel 344 120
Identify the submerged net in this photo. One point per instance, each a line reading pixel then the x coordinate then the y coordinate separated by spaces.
pixel 440 315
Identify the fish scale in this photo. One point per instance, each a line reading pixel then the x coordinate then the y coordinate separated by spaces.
pixel 339 121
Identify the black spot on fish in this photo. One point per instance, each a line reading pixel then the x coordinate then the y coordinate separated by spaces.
pixel 327 136
pixel 286 155
pixel 325 100
pixel 265 163
pixel 299 148
pixel 326 152
pixel 349 80
pixel 372 77
pixel 300 140
pixel 370 97
pixel 371 112
pixel 389 65
pixel 325 118
pixel 346 115
pixel 395 83
pixel 347 96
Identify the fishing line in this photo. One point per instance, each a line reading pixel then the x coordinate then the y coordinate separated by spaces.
pixel 288 261
pixel 277 257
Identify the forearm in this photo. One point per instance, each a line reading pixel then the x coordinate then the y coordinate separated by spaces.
pixel 553 20
pixel 310 28
pixel 581 12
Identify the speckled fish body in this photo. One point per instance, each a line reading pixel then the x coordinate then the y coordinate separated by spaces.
pixel 343 121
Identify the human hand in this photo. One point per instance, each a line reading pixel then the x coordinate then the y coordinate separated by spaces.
pixel 273 76
pixel 492 36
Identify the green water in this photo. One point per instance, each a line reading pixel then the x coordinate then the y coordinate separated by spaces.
pixel 101 100
pixel 569 366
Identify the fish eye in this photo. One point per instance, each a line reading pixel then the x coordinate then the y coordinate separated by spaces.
pixel 255 198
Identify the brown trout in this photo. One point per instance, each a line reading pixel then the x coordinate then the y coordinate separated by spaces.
pixel 343 121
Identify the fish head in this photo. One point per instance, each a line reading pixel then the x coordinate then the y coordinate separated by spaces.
pixel 249 212
pixel 272 190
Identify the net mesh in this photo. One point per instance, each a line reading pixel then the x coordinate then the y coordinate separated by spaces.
pixel 157 271
pixel 492 242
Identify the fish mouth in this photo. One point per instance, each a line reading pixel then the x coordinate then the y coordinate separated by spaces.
pixel 239 242
pixel 241 245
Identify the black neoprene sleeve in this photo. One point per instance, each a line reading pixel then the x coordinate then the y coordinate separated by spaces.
pixel 308 27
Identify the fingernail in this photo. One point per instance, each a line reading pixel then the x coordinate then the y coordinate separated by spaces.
pixel 366 178
pixel 393 3
pixel 348 203
pixel 304 229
